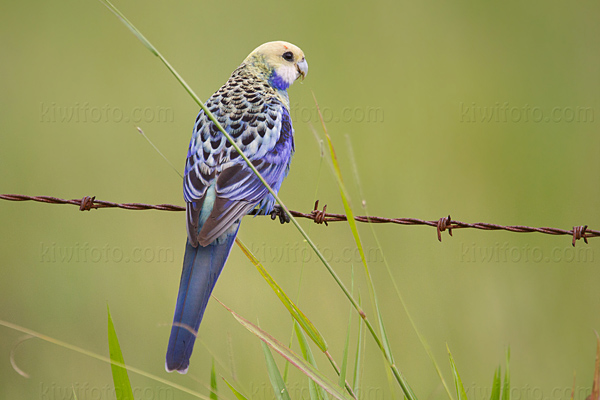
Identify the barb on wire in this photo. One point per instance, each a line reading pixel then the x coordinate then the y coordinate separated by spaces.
pixel 87 203
pixel 322 217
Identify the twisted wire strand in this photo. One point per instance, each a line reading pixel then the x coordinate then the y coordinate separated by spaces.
pixel 88 203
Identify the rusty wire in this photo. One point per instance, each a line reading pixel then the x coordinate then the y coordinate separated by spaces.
pixel 321 216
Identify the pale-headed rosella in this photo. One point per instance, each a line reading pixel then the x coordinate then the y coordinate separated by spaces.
pixel 220 188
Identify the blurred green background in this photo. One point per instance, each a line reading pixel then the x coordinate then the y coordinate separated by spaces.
pixel 487 111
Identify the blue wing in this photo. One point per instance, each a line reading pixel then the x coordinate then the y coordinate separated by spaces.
pixel 219 186
pixel 219 189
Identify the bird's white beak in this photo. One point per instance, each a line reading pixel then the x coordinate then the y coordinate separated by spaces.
pixel 302 67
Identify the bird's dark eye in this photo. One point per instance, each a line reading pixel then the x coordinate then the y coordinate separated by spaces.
pixel 288 56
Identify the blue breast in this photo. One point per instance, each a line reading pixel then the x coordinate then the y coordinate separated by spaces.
pixel 278 82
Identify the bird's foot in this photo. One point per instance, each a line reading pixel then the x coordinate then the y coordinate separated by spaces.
pixel 279 212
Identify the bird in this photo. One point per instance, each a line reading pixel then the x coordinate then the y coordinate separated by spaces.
pixel 220 188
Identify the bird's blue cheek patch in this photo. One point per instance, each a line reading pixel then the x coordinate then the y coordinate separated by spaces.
pixel 278 82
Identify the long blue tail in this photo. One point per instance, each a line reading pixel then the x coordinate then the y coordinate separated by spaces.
pixel 201 269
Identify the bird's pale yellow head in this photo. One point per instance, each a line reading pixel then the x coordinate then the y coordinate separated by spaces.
pixel 281 62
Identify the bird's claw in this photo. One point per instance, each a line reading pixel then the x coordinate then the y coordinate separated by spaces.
pixel 279 212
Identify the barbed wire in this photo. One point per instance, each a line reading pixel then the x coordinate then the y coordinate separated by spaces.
pixel 323 217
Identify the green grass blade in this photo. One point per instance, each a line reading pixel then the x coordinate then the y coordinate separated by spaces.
pixel 160 153
pixel 316 392
pixel 496 385
pixel 596 381
pixel 98 357
pixel 506 386
pixel 383 343
pixel 346 202
pixel 460 389
pixel 281 392
pixel 286 368
pixel 342 380
pixel 130 26
pixel 292 357
pixel 384 337
pixel 342 377
pixel 354 229
pixel 317 180
pixel 294 311
pixel 237 394
pixel 213 382
pixel 389 271
pixel 358 359
pixel 123 389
